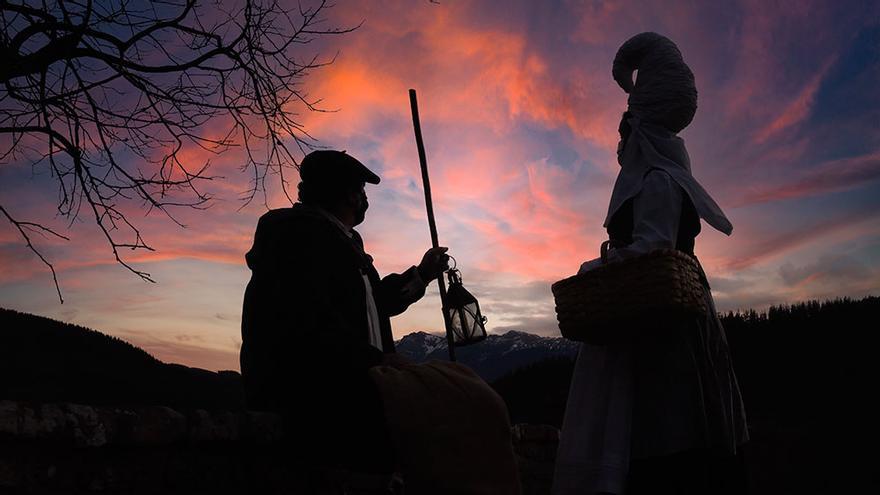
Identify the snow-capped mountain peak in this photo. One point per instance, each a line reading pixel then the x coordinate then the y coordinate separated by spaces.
pixel 492 358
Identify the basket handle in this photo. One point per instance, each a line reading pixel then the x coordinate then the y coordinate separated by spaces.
pixel 603 251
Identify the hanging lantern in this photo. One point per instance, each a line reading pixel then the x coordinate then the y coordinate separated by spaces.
pixel 466 321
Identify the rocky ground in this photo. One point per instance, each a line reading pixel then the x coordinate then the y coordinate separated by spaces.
pixel 70 448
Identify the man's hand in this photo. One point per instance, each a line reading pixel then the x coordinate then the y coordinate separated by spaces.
pixel 434 263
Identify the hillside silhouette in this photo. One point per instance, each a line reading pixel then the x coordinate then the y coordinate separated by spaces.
pixel 808 362
pixel 49 361
pixel 808 373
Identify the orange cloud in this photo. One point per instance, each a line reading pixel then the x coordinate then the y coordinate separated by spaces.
pixel 531 228
pixel 475 83
pixel 464 73
pixel 519 114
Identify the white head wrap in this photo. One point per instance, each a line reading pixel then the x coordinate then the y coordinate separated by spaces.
pixel 665 91
pixel 651 146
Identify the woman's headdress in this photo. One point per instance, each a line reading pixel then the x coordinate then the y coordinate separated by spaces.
pixel 662 102
pixel 664 92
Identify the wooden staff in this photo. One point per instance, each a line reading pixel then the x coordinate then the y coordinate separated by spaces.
pixel 429 205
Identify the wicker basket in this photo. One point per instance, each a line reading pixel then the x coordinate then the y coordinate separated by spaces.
pixel 618 301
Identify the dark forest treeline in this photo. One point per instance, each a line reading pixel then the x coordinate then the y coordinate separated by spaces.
pixel 807 361
pixel 808 373
pixel 803 362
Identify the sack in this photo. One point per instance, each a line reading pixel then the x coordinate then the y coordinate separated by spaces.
pixel 616 302
pixel 450 429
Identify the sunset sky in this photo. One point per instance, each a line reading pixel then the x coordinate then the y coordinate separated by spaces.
pixel 519 114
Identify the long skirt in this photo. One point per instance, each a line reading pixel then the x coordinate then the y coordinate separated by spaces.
pixel 651 399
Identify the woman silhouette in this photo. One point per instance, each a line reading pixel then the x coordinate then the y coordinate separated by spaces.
pixel 655 416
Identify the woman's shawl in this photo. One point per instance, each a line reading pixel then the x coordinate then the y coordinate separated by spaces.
pixel 651 146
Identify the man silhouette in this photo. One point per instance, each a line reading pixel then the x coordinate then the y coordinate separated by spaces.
pixel 316 317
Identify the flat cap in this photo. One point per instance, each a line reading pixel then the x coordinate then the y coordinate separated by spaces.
pixel 329 166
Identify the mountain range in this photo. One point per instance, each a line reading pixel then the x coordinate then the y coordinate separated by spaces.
pixel 494 357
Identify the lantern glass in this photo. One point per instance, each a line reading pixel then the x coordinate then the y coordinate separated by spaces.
pixel 464 313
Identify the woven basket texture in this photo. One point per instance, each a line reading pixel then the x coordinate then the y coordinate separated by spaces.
pixel 653 292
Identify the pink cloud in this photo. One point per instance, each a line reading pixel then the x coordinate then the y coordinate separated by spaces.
pixel 480 76
pixel 760 248
pixel 216 234
pixel 833 176
pixel 594 20
pixel 520 124
pixel 828 268
pixel 535 231
pixel 764 89
pixel 482 81
pixel 205 355
pixel 798 109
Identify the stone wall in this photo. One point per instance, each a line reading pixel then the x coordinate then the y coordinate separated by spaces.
pixel 69 448
pixel 535 447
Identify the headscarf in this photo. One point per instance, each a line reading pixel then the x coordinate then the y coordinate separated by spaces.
pixel 662 102
pixel 651 146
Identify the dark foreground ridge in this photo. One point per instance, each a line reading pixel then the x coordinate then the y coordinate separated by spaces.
pixel 72 448
pixel 807 371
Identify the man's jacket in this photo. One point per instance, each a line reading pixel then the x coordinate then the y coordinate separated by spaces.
pixel 305 335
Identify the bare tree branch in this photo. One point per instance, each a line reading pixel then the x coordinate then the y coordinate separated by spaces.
pixel 23 228
pixel 106 96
